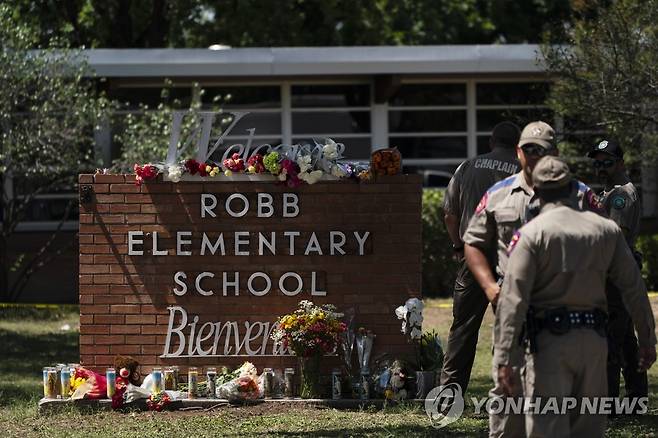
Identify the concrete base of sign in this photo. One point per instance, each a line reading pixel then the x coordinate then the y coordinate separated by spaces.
pixel 47 406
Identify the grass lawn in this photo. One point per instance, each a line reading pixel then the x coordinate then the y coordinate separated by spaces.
pixel 29 344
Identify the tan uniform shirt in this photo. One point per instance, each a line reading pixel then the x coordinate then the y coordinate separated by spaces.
pixel 472 179
pixel 622 204
pixel 504 208
pixel 562 259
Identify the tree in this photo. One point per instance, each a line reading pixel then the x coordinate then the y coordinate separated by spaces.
pixel 606 80
pixel 48 112
pixel 263 23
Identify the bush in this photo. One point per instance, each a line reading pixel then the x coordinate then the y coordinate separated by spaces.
pixel 439 268
pixel 648 246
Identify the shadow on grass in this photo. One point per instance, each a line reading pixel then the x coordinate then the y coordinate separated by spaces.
pixel 24 358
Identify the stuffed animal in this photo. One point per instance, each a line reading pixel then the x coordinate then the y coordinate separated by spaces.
pixel 398 381
pixel 127 368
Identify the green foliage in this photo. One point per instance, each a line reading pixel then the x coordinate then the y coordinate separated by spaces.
pixel 48 113
pixel 431 352
pixel 144 134
pixel 257 23
pixel 48 110
pixel 606 78
pixel 439 268
pixel 648 246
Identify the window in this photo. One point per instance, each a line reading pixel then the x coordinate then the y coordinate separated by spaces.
pixel 429 121
pixel 339 111
pixel 46 211
pixel 518 102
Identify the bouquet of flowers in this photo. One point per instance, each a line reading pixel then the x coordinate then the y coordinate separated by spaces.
pixel 293 165
pixel 158 401
pixel 411 315
pixel 364 341
pixel 88 384
pixel 233 164
pixel 255 164
pixel 145 172
pixel 242 387
pixel 310 330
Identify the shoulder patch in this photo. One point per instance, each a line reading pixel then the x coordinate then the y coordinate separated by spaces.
pixel 593 201
pixel 618 202
pixel 512 243
pixel 482 204
pixel 502 183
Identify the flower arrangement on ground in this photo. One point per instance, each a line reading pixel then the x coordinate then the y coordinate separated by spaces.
pixel 158 401
pixel 241 384
pixel 429 354
pixel 310 332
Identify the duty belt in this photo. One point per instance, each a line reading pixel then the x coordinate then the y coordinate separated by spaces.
pixel 559 321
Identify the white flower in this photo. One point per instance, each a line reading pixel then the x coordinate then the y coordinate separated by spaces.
pixel 311 177
pixel 330 150
pixel 415 334
pixel 414 303
pixel 304 162
pixel 174 173
pixel 338 171
pixel 401 312
pixel 415 319
pixel 282 175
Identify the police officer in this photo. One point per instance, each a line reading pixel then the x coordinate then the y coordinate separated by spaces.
pixel 503 209
pixel 471 180
pixel 621 203
pixel 557 268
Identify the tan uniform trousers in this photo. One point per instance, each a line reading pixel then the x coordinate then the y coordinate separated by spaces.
pixel 569 365
pixel 501 424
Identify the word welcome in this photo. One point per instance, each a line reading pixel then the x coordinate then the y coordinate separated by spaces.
pixel 217 339
pixel 201 133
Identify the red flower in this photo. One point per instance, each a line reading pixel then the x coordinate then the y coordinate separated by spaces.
pixel 192 166
pixel 143 173
pixel 202 169
pixel 234 164
pixel 257 162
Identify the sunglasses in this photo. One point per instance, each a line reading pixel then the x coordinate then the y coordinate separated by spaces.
pixel 534 150
pixel 603 164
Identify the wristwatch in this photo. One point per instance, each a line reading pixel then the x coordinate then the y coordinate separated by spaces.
pixel 457 248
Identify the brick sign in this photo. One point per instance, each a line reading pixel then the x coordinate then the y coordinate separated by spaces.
pixel 196 273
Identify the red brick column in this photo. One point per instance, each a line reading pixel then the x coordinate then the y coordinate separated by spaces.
pixel 124 299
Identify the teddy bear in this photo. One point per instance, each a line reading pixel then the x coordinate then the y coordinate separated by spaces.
pixel 127 368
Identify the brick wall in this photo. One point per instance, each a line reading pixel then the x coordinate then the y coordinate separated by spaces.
pixel 124 299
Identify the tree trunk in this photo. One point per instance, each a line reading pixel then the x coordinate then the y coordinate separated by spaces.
pixel 4 260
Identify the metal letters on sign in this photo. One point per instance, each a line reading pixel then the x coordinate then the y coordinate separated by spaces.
pixel 202 133
pixel 187 336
